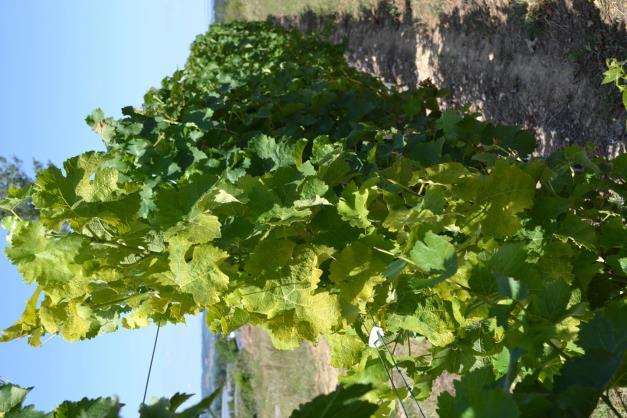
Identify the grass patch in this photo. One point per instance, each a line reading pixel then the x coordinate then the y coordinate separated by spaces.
pixel 613 10
pixel 252 10
pixel 245 392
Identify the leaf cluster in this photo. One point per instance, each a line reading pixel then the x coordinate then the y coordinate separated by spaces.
pixel 12 400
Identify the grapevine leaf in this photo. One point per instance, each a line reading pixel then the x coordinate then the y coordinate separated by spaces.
pixel 85 191
pixel 619 166
pixel 28 412
pixel 474 399
pixel 199 229
pixel 77 321
pixel 266 190
pixel 343 402
pixel 552 301
pixel 277 154
pixel 27 323
pixel 93 408
pixel 346 349
pixel 607 330
pixel 174 203
pixel 51 262
pixel 268 257
pixel 293 311
pixel 435 255
pixel 352 207
pixel 356 271
pixel 11 396
pixel 196 269
pixel 500 196
pixel 102 126
pixel 430 319
pixel 434 200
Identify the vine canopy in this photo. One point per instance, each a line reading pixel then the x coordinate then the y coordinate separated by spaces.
pixel 270 183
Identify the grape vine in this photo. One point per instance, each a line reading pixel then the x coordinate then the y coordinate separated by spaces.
pixel 269 183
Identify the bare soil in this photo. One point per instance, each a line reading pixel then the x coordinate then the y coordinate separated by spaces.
pixel 286 379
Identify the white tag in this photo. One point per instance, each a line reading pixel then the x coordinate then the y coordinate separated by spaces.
pixel 376 337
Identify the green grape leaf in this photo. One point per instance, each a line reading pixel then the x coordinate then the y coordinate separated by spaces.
pixel 448 122
pixel 196 269
pixel 292 309
pixel 199 409
pixel 199 229
pixel 102 126
pixel 430 319
pixel 551 302
pixel 51 262
pixel 27 324
pixel 434 200
pixel 11 396
pixel 76 321
pixel 499 196
pixel 175 203
pixel 346 349
pixel 474 399
pixel 343 402
pixel 353 206
pixel 619 166
pixel 15 198
pixel 167 408
pixel 28 412
pixel 435 255
pixel 607 330
pixel 279 154
pixel 85 191
pixel 356 271
pixel 92 408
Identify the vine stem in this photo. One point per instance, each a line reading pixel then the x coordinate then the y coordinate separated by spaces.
pixel 15 214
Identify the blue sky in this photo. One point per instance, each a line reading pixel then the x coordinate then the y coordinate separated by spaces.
pixel 60 60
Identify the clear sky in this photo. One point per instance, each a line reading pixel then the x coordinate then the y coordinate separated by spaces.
pixel 60 60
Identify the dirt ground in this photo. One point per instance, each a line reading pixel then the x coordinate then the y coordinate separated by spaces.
pixel 536 64
pixel 288 378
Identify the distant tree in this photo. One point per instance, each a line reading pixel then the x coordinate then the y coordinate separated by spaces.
pixel 14 178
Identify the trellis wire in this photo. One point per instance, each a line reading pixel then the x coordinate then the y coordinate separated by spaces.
pixel 411 392
pixel 152 358
pixel 390 378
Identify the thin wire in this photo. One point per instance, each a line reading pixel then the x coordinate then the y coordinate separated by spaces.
pixel 398 369
pixel 411 392
pixel 391 381
pixel 154 348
